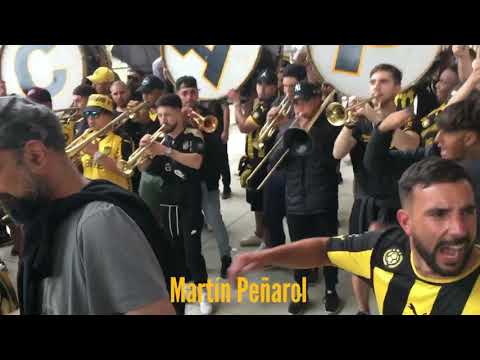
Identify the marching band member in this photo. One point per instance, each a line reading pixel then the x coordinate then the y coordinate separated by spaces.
pixel 424 129
pixel 120 93
pixel 312 189
pixel 187 90
pixel 102 79
pixel 250 123
pixel 375 199
pixel 80 99
pixel 274 191
pixel 176 162
pixel 100 160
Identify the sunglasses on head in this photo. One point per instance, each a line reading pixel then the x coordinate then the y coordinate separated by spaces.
pixel 94 114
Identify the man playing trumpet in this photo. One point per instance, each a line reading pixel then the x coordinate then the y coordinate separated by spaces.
pixel 174 165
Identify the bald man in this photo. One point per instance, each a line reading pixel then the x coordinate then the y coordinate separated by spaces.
pixel 121 95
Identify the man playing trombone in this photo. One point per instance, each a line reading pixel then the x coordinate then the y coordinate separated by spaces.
pixel 312 185
pixel 100 159
pixel 274 192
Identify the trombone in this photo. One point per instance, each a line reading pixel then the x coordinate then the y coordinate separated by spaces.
pixel 294 137
pixel 337 115
pixel 207 124
pixel 268 130
pixel 139 156
pixel 91 135
pixel 73 108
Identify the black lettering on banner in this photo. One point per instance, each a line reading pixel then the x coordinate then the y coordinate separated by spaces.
pixel 215 59
pixel 348 58
pixel 25 77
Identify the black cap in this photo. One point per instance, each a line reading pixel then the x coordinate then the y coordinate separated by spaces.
pixel 187 82
pixel 150 83
pixel 305 90
pixel 268 77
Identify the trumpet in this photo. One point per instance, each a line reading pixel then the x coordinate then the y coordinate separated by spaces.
pixel 268 130
pixel 207 124
pixel 337 115
pixel 91 135
pixel 297 141
pixel 139 156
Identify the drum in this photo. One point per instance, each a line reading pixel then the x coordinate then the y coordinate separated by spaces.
pixel 347 67
pixel 217 68
pixel 58 68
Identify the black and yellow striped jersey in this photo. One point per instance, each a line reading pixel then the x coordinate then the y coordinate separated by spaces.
pixel 384 258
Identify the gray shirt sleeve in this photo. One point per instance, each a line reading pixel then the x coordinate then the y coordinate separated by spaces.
pixel 121 270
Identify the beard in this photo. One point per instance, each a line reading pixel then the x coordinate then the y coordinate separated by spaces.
pixel 24 209
pixel 430 257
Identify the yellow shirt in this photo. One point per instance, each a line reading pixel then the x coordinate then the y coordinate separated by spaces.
pixel 111 146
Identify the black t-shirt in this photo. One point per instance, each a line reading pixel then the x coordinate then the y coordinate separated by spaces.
pixel 210 170
pixel 179 179
pixel 361 133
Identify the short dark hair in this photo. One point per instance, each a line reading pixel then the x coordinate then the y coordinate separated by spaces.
pixel 393 70
pixel 295 70
pixel 462 115
pixel 432 170
pixel 171 100
pixel 187 81
pixel 22 120
pixel 84 91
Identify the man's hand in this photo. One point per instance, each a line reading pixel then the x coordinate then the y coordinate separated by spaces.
pixel 153 148
pixel 139 116
pixel 91 149
pixel 395 120
pixel 234 96
pixel 244 263
pixel 460 50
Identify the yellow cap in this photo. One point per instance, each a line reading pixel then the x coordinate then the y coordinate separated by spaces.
pixel 97 102
pixel 102 75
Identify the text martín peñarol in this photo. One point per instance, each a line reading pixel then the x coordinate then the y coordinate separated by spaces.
pixel 246 290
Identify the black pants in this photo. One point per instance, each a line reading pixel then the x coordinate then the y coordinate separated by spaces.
pixel 307 226
pixel 225 168
pixel 274 208
pixel 181 224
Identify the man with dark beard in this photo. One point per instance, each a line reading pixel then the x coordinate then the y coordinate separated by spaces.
pixel 428 266
pixel 81 237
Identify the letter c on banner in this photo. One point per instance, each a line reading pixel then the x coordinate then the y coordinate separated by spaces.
pixel 24 75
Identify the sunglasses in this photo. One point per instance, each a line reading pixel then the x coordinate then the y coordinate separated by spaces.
pixel 94 114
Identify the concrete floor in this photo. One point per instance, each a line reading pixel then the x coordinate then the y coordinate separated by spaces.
pixel 240 223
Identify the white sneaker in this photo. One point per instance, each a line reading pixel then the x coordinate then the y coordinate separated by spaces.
pixel 253 240
pixel 262 246
pixel 206 308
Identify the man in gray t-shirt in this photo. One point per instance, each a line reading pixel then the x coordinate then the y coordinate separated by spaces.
pixel 90 247
pixel 103 264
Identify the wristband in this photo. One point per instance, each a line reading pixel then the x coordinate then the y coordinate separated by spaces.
pixel 168 152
